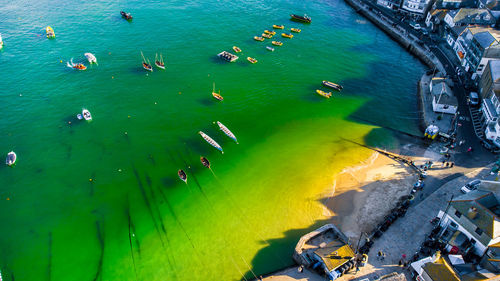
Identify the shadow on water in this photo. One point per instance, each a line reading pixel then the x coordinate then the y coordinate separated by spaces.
pixel 49 264
pixel 101 256
pixel 206 101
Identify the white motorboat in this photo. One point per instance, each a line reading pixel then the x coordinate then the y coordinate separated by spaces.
pixel 210 141
pixel 227 131
pixel 10 161
pixel 86 114
pixel 91 58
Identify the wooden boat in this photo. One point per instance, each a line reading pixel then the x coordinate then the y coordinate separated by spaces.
pixel 296 30
pixel 50 32
pixel 258 38
pixel 11 158
pixel 227 56
pixel 303 18
pixel 236 49
pixel 270 32
pixel 79 66
pixel 182 175
pixel 268 36
pixel 126 16
pixel 332 85
pixel 1 41
pixel 287 35
pixel 227 131
pixel 146 64
pixel 277 43
pixel 205 162
pixel 91 58
pixel 159 62
pixel 278 26
pixel 211 141
pixel 324 94
pixel 216 95
pixel 270 48
pixel 252 60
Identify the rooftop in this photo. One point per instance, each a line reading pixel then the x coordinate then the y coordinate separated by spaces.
pixel 335 254
pixel 471 14
pixel 440 270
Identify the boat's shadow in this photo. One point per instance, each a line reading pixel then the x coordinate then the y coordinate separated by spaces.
pixel 208 101
pixel 140 71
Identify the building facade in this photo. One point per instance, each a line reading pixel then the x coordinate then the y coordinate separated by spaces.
pixel 489 89
pixel 472 45
pixel 416 8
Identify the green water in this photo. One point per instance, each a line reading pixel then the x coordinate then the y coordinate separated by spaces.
pixel 136 220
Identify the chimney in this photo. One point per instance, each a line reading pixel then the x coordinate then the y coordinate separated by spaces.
pixel 472 213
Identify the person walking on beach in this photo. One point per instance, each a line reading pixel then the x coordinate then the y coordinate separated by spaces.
pixel 452 164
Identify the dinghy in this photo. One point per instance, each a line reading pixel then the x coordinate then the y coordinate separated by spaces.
pixel 86 114
pixel 226 131
pixel 91 58
pixel 11 158
pixel 205 162
pixel 324 94
pixel 50 32
pixel 126 16
pixel 77 66
pixel 1 41
pixel 159 63
pixel 182 175
pixel 270 48
pixel 211 141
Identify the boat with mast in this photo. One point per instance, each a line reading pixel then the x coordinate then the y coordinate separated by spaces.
pixel 182 175
pixel 227 131
pixel 159 63
pixel 205 162
pixel 146 64
pixel 211 141
pixel 216 95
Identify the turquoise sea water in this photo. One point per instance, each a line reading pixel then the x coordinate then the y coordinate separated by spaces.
pixel 101 200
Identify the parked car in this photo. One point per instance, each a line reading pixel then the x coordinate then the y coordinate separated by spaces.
pixel 474 99
pixel 473 185
pixel 415 26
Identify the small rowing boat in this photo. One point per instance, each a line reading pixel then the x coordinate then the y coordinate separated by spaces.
pixel 303 18
pixel 159 62
pixel 216 95
pixel 205 162
pixel 1 46
pixel 332 85
pixel 227 131
pixel 236 49
pixel 258 38
pixel 278 26
pixel 146 65
pixel 126 16
pixel 277 43
pixel 77 66
pixel 296 30
pixel 270 32
pixel 91 58
pixel 11 158
pixel 287 35
pixel 211 141
pixel 50 32
pixel 86 114
pixel 324 94
pixel 182 175
pixel 268 36
pixel 270 48
pixel 252 60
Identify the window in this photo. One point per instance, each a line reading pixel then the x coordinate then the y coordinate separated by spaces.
pixel 454 225
pixel 479 231
pixel 458 214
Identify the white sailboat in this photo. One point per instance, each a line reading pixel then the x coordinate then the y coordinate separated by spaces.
pixel 211 141
pixel 227 131
pixel 159 62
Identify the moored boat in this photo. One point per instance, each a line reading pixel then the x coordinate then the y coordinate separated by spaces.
pixel 11 158
pixel 91 58
pixel 332 85
pixel 324 94
pixel 252 60
pixel 159 62
pixel 227 56
pixel 79 66
pixel 1 46
pixel 216 95
pixel 211 141
pixel 205 162
pixel 287 35
pixel 50 32
pixel 182 175
pixel 270 48
pixel 126 16
pixel 227 131
pixel 146 64
pixel 270 32
pixel 86 114
pixel 258 38
pixel 296 30
pixel 277 43
pixel 303 18
pixel 236 49
pixel 268 36
pixel 278 26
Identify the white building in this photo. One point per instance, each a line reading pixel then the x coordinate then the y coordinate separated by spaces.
pixel 443 100
pixel 417 8
pixel 489 89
